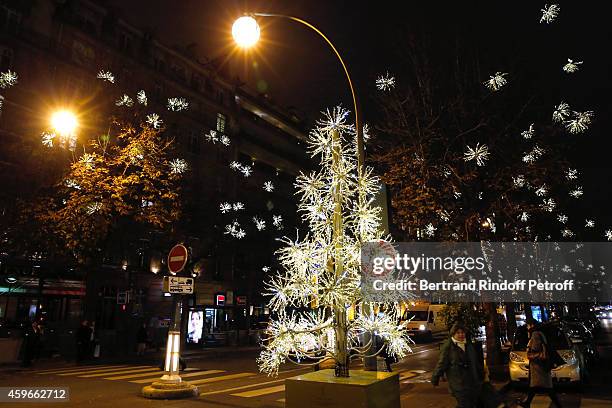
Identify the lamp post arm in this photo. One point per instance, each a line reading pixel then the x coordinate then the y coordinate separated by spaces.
pixel 358 127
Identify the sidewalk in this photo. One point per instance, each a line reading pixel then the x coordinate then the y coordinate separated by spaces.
pixel 151 357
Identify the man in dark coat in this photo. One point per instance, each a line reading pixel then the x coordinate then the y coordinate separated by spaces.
pixel 83 339
pixel 463 366
pixel 31 344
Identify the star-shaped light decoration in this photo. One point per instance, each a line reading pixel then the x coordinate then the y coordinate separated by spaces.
pixel 430 230
pixel 211 136
pixel 571 66
pixel 259 223
pixel 154 121
pixel 529 133
pixel 125 100
pixel 479 153
pixel 277 221
pixel 106 76
pixel 385 82
pixel 561 112
pixel 577 192
pixel 177 104
pixel 178 166
pixel 550 13
pixel 141 97
pixel 47 139
pixel 496 81
pixel 268 186
pixel 225 207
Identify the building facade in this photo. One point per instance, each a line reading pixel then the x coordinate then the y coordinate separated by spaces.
pixel 57 48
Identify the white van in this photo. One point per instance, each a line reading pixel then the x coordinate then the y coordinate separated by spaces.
pixel 424 321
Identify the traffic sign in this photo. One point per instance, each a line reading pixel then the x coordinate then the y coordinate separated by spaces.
pixel 177 258
pixel 241 300
pixel 123 297
pixel 176 284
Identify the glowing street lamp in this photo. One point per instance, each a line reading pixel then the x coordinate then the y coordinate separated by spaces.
pixel 246 31
pixel 64 124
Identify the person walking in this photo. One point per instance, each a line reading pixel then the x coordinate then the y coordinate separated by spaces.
pixel 83 338
pixel 142 338
pixel 31 344
pixel 463 367
pixel 384 353
pixel 540 377
pixel 94 343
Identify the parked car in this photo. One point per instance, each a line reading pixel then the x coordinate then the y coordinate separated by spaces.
pixel 258 332
pixel 574 369
pixel 583 338
pixel 590 321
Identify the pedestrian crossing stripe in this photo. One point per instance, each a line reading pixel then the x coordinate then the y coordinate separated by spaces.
pixel 221 378
pixel 131 371
pixel 105 370
pixel 124 377
pixel 243 387
pixel 407 374
pixel 260 392
pixel 84 368
pixel 188 375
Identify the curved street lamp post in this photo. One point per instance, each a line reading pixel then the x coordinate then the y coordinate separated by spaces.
pixel 246 33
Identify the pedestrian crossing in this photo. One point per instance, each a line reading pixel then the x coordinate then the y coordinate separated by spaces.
pixel 202 378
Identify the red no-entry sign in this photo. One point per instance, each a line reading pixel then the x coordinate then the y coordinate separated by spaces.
pixel 177 258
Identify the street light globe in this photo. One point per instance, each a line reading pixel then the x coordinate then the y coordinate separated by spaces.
pixel 64 122
pixel 245 31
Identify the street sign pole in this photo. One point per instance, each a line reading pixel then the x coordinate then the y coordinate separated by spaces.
pixel 173 346
pixel 170 385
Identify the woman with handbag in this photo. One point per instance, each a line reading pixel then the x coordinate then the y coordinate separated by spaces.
pixel 540 377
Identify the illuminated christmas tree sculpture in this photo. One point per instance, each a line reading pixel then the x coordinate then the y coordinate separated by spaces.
pixel 320 279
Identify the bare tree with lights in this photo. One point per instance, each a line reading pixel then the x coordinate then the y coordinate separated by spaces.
pixel 320 279
pixel 474 159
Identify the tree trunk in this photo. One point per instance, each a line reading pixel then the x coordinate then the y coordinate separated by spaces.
pixel 340 321
pixel 510 320
pixel 528 311
pixel 494 357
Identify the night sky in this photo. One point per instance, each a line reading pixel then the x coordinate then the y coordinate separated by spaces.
pixel 295 67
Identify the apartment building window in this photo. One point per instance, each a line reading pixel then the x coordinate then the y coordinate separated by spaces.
pixel 179 72
pixel 6 58
pixel 221 119
pixel 83 54
pixel 125 43
pixel 159 64
pixel 194 143
pixel 10 19
pixel 158 92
